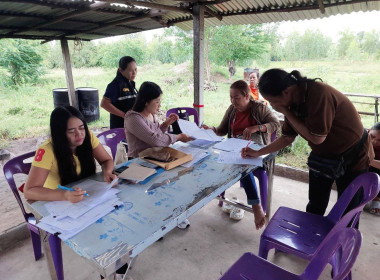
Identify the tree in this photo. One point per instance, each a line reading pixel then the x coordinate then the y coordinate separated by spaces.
pixel 312 44
pixel 232 44
pixel 371 43
pixel 22 59
pixel 346 37
pixel 183 44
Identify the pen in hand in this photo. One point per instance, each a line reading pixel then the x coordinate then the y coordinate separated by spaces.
pixel 249 142
pixel 69 189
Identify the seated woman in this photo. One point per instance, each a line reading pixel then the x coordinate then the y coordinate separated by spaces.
pixel 374 133
pixel 66 157
pixel 248 119
pixel 142 129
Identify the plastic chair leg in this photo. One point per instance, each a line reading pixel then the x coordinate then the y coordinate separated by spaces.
pixel 263 249
pixel 56 252
pixel 36 241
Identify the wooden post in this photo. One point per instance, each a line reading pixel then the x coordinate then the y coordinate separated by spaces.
pixel 69 73
pixel 198 41
pixel 376 110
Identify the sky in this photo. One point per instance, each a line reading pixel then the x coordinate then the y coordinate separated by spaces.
pixel 331 26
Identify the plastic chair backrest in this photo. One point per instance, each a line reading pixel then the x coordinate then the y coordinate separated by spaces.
pixel 111 138
pixel 369 183
pixel 17 166
pixel 188 110
pixel 345 242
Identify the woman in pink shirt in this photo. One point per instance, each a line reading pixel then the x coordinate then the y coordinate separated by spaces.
pixel 142 129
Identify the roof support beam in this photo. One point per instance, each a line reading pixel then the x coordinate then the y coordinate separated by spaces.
pixel 212 13
pixel 198 57
pixel 69 73
pixel 150 5
pixel 321 6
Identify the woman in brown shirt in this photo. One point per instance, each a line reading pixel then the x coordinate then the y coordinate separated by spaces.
pixel 327 120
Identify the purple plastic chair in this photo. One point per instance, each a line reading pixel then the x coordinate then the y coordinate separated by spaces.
pixel 17 166
pixel 300 233
pixel 188 110
pixel 262 176
pixel 345 243
pixel 111 138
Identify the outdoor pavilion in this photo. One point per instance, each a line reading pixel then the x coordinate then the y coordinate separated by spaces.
pixel 88 20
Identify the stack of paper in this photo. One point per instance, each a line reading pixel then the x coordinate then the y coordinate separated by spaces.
pixel 191 129
pixel 68 218
pixel 136 173
pixel 197 154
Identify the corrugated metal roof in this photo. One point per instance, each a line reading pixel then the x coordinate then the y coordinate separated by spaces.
pixel 87 20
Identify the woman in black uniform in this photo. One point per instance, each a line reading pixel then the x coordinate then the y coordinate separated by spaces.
pixel 121 93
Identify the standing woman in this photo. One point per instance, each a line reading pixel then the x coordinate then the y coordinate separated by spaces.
pixel 248 119
pixel 325 118
pixel 121 93
pixel 253 82
pixel 66 157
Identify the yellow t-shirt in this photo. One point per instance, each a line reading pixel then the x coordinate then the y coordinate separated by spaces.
pixel 45 159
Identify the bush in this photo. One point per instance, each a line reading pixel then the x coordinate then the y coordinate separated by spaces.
pixel 22 59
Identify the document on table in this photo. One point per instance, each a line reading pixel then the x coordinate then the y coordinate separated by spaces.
pixel 68 227
pixel 191 129
pixel 201 143
pixel 235 158
pixel 235 145
pixel 98 192
pixel 197 154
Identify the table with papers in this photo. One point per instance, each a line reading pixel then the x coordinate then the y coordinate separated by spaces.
pixel 146 214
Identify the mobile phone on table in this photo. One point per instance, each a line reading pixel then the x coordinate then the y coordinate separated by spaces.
pixel 120 169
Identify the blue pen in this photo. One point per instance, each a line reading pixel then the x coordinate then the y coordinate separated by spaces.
pixel 69 189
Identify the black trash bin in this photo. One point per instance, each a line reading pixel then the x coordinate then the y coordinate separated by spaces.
pixel 88 103
pixel 61 97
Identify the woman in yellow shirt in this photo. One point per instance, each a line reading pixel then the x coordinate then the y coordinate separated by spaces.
pixel 68 156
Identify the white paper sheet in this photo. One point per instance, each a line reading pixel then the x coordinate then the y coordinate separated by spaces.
pixel 191 129
pixel 235 158
pixel 201 143
pixel 197 154
pixel 235 145
pixel 98 192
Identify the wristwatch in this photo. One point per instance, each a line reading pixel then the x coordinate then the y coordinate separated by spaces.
pixel 261 127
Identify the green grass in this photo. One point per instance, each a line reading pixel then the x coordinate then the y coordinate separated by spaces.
pixel 26 110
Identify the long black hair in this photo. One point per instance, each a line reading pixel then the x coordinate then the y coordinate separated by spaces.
pixel 274 81
pixel 147 92
pixel 61 147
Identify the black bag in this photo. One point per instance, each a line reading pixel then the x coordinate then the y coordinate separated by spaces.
pixel 183 116
pixel 329 168
pixel 335 167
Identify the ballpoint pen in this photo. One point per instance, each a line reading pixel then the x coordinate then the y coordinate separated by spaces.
pixel 69 189
pixel 249 142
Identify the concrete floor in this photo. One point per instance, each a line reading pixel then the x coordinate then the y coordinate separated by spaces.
pixel 205 250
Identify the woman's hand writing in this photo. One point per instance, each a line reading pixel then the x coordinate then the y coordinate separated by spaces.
pixel 248 152
pixel 74 196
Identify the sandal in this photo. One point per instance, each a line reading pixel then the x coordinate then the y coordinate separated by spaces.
pixel 374 207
